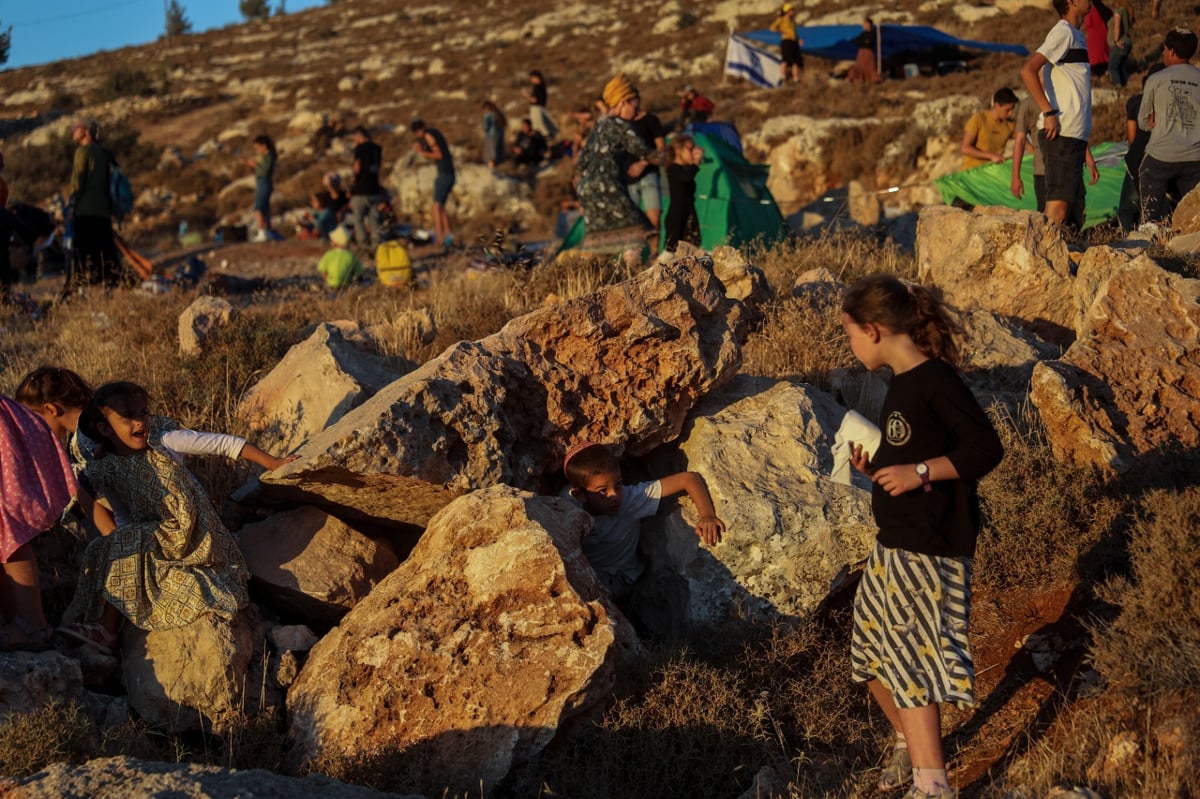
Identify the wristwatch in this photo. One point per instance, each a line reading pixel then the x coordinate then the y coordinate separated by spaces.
pixel 923 471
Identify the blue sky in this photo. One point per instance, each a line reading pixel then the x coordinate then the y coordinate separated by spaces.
pixel 51 31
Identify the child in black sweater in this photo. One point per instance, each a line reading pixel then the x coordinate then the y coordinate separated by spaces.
pixel 684 163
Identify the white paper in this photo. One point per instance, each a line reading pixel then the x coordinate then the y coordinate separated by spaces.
pixel 855 430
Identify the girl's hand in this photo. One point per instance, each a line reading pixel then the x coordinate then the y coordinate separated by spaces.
pixel 710 528
pixel 861 460
pixel 898 479
pixel 275 463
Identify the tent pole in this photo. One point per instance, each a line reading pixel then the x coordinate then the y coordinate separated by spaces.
pixel 879 49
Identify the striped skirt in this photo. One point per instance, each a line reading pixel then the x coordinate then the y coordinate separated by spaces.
pixel 911 614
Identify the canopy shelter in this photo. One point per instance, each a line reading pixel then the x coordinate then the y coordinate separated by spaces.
pixel 837 41
pixel 990 184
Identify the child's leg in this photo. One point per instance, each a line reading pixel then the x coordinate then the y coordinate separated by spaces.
pixel 24 588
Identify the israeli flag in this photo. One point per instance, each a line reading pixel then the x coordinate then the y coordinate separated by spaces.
pixel 747 61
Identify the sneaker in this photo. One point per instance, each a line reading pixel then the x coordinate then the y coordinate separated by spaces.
pixel 916 793
pixel 261 235
pixel 898 771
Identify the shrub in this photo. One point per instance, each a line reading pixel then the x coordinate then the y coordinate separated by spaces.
pixel 51 734
pixel 123 82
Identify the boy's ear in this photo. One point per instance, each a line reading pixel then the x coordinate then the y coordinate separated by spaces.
pixel 578 493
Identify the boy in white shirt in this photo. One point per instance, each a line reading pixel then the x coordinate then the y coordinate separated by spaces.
pixel 611 548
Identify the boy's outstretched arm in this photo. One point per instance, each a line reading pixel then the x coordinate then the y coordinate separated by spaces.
pixel 709 528
pixel 264 459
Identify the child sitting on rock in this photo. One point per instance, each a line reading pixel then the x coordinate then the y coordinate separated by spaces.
pixel 339 266
pixel 611 548
pixel 170 560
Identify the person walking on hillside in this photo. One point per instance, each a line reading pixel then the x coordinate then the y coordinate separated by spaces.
pixel 1170 110
pixel 909 642
pixel 1059 80
pixel 365 191
pixel 431 144
pixel 494 127
pixel 537 97
pixel 94 254
pixel 988 131
pixel 791 60
pixel 264 183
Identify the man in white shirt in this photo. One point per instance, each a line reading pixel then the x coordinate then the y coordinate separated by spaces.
pixel 1059 79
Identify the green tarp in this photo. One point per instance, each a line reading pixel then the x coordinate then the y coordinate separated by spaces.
pixel 733 204
pixel 991 184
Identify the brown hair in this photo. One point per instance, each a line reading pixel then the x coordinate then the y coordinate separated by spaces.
pixel 907 308
pixel 677 145
pixel 93 413
pixel 52 384
pixel 588 462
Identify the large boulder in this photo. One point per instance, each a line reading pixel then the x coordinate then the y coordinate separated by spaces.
pixel 1012 262
pixel 469 657
pixel 123 777
pixel 623 365
pixel 999 354
pixel 764 448
pixel 310 564
pixel 1128 390
pixel 1096 265
pixel 30 680
pixel 203 675
pixel 200 321
pixel 316 383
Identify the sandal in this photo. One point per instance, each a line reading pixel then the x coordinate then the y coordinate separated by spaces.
pixel 91 634
pixel 898 771
pixel 33 639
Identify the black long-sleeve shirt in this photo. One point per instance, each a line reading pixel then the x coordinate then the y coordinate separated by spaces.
pixel 929 412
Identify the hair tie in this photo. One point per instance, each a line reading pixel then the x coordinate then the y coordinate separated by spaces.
pixel 575 450
pixel 908 287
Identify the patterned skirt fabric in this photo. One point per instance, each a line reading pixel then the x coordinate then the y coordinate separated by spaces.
pixel 174 561
pixel 617 242
pixel 911 615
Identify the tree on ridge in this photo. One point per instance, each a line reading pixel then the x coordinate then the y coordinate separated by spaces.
pixel 177 22
pixel 254 9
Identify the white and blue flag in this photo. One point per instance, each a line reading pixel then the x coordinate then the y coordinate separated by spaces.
pixel 747 61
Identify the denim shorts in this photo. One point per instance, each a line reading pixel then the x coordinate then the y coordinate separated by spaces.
pixel 646 191
pixel 262 194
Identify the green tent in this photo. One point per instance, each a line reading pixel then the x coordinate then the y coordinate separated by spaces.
pixel 733 204
pixel 991 184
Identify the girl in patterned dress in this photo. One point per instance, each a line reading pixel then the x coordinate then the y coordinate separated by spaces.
pixel 170 560
pixel 909 642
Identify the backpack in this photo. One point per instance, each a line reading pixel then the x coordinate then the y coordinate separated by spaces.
pixel 393 264
pixel 120 191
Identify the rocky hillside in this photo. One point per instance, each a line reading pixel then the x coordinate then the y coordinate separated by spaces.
pixel 181 115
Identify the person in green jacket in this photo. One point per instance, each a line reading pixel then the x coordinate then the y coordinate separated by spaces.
pixel 94 254
pixel 339 266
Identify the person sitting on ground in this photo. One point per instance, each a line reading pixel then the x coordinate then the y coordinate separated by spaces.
pixel 529 148
pixel 694 107
pixel 320 221
pixel 338 196
pixel 988 131
pixel 339 266
pixel 171 561
pixel 594 476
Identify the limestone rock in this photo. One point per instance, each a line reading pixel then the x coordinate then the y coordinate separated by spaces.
pixel 1012 262
pixel 622 365
pixel 1096 266
pixel 30 680
pixel 199 674
pixel 1001 353
pixel 200 320
pixel 1186 218
pixel 123 777
pixel 316 383
pixel 1128 390
pixel 763 447
pixel 308 563
pixel 469 656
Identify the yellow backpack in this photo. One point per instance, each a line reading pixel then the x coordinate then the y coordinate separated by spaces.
pixel 393 264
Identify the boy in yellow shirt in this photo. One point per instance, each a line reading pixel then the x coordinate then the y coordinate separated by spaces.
pixel 988 131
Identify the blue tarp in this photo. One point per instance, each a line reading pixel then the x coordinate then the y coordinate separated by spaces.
pixel 837 41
